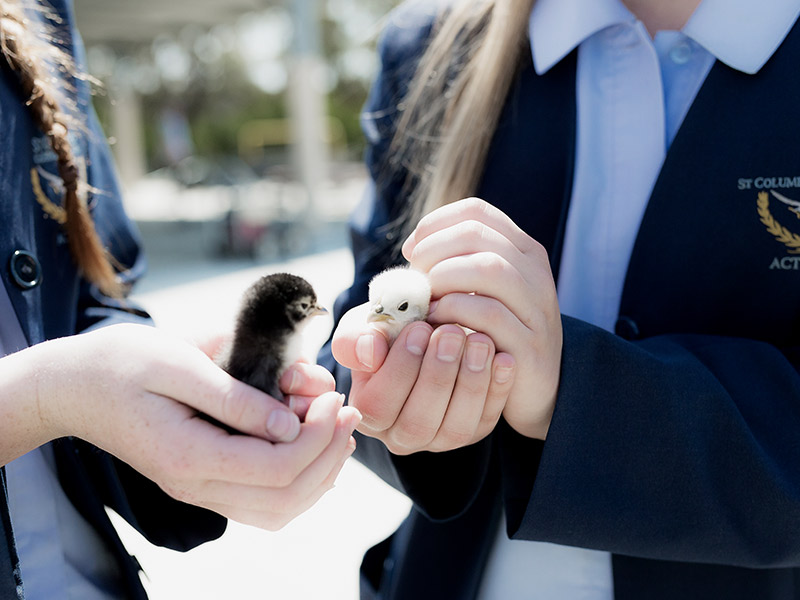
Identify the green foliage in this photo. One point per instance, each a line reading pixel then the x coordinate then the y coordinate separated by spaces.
pixel 219 97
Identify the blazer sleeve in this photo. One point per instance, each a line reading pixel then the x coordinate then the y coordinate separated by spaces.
pixel 678 447
pixel 443 484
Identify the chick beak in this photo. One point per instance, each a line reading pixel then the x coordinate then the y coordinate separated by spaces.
pixel 377 315
pixel 318 311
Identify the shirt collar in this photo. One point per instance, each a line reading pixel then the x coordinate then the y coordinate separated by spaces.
pixel 722 26
pixel 558 26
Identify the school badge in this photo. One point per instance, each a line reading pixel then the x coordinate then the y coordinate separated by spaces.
pixel 46 184
pixel 782 221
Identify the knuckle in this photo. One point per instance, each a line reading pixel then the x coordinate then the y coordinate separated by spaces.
pixel 490 417
pixel 473 231
pixel 412 435
pixel 375 414
pixel 455 438
pixel 537 250
pixel 283 475
pixel 233 406
pixel 474 206
pixel 490 263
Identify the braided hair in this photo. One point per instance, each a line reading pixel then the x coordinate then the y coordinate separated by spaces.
pixel 27 53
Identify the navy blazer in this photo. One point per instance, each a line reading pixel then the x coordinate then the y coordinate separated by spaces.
pixel 675 442
pixel 65 304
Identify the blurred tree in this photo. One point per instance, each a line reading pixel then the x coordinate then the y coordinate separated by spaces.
pixel 204 87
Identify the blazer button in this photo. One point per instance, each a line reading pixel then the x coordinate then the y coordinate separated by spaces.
pixel 25 269
pixel 626 328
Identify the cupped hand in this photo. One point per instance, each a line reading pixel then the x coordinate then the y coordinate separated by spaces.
pixel 300 383
pixel 434 389
pixel 490 276
pixel 141 395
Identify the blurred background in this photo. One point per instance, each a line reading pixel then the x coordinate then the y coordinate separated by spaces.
pixel 234 124
pixel 256 102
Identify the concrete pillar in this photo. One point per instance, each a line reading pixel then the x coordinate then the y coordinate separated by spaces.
pixel 127 128
pixel 306 97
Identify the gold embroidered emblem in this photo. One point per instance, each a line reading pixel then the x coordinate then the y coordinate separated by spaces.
pixel 52 210
pixel 779 232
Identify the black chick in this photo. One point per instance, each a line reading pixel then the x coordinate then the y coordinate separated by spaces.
pixel 267 338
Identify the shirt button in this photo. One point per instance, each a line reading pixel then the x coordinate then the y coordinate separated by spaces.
pixel 25 269
pixel 681 53
pixel 626 328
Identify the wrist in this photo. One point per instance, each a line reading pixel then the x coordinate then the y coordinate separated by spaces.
pixel 26 408
pixel 534 426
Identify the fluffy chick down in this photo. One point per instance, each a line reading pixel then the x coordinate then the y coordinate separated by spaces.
pixel 397 297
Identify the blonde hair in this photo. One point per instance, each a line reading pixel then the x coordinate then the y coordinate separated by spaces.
pixel 28 54
pixel 453 105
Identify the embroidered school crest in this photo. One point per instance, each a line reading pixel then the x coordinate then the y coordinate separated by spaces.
pixel 779 231
pixel 46 184
pixel 781 217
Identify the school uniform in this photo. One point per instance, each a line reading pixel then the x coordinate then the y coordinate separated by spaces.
pixel 673 449
pixel 42 297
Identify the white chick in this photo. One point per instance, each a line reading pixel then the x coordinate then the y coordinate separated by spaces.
pixel 397 297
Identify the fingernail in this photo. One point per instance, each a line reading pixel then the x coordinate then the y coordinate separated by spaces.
pixel 296 381
pixel 283 425
pixel 449 347
pixel 477 356
pixel 503 374
pixel 417 340
pixel 432 307
pixel 365 350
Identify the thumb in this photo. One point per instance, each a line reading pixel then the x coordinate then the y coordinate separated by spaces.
pixel 356 345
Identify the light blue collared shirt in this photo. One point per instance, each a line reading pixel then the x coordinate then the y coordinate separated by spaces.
pixel 632 95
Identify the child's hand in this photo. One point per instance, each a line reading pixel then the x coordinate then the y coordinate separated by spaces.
pixel 434 390
pixel 490 276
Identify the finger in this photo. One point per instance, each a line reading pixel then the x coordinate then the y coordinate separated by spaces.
pixel 321 472
pixel 489 275
pixel 189 376
pixel 500 386
pixel 248 460
pixel 380 396
pixel 468 209
pixel 423 412
pixel 356 345
pixel 469 396
pixel 463 238
pixel 270 509
pixel 484 314
pixel 304 379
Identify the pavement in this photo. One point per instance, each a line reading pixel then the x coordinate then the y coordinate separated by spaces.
pixel 193 291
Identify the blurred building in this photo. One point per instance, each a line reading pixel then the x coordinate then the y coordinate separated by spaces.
pixel 124 30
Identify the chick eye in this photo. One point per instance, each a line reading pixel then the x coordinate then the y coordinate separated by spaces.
pixel 304 305
pixel 403 307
